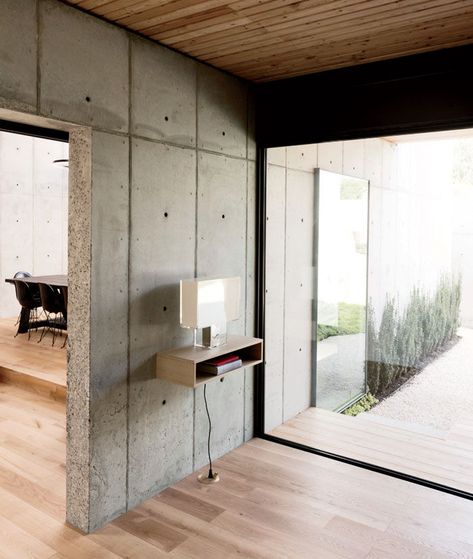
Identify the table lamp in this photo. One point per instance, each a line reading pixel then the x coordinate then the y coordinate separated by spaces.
pixel 207 305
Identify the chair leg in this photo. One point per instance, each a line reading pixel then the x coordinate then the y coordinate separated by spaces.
pixel 34 320
pixel 54 330
pixel 16 324
pixel 45 328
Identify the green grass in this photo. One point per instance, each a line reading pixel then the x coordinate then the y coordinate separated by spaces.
pixel 351 320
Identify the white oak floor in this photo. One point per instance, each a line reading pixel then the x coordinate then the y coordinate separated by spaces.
pixel 273 502
pixel 40 367
pixel 443 457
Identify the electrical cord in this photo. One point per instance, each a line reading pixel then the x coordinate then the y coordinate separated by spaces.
pixel 211 475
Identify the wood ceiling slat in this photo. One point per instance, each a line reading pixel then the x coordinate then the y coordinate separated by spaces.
pixel 220 16
pixel 220 23
pixel 240 43
pixel 253 29
pixel 116 9
pixel 200 29
pixel 264 40
pixel 291 71
pixel 261 14
pixel 262 11
pixel 186 8
pixel 356 53
pixel 378 25
pixel 355 49
pixel 154 16
pixel 175 10
pixel 94 5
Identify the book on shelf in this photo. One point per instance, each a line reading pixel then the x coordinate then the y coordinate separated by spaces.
pixel 219 365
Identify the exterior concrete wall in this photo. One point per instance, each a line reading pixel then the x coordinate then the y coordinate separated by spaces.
pixel 289 277
pixel 33 211
pixel 162 187
pixel 462 256
pixel 410 244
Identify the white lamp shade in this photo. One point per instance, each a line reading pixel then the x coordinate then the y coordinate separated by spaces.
pixel 205 302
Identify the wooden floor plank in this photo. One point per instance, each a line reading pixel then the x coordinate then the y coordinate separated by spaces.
pixel 273 502
pixel 16 543
pixel 440 458
pixel 126 544
pixel 38 367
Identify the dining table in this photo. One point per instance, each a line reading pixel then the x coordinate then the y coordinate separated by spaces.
pixel 59 280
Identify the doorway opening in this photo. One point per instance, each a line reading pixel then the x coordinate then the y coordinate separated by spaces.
pixel 34 239
pixel 33 262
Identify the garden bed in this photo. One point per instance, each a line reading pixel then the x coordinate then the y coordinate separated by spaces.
pixel 414 371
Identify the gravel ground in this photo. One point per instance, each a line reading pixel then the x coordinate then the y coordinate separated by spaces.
pixel 441 394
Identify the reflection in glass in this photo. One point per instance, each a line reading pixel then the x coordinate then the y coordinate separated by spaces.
pixel 341 252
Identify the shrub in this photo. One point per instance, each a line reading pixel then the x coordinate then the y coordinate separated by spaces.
pixel 364 404
pixel 373 356
pixel 405 339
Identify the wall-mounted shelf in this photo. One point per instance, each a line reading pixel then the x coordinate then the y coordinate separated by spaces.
pixel 180 365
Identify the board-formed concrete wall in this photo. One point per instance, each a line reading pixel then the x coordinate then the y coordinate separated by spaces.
pixel 172 194
pixel 33 211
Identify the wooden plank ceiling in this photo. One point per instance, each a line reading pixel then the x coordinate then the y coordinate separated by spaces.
pixel 264 40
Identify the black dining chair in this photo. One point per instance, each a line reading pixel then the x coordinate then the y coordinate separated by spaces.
pixel 52 301
pixel 29 300
pixel 33 286
pixel 20 275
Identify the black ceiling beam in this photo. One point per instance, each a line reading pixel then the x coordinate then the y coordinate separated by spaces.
pixel 419 93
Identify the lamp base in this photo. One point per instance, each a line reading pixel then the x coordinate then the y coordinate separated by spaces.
pixel 206 480
pixel 215 335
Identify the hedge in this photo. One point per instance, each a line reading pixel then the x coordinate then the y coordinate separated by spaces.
pixel 405 339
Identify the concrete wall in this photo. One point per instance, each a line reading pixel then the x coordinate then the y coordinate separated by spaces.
pixel 410 244
pixel 33 211
pixel 462 256
pixel 162 187
pixel 289 276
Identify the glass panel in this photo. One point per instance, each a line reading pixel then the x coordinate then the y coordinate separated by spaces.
pixel 341 256
pixel 416 320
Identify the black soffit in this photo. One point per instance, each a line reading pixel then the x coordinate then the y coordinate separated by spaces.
pixel 420 93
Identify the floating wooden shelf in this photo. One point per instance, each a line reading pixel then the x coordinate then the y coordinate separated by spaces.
pixel 180 365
